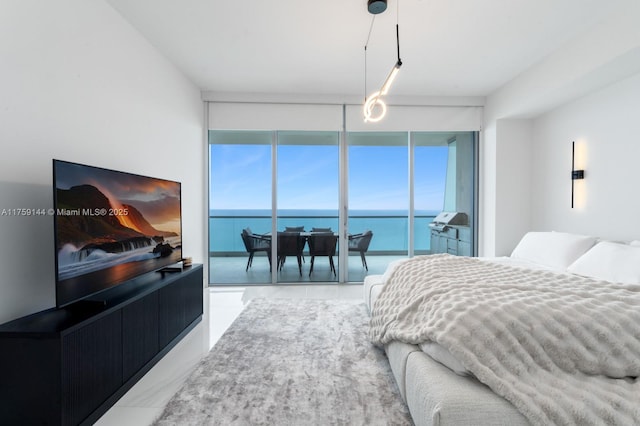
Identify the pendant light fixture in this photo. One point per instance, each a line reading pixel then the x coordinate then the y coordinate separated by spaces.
pixel 376 6
pixel 374 106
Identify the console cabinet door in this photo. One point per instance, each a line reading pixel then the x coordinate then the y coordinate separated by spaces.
pixel 92 366
pixel 193 297
pixel 139 334
pixel 30 377
pixel 179 304
pixel 170 313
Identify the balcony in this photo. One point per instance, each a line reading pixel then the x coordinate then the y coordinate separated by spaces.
pixel 228 257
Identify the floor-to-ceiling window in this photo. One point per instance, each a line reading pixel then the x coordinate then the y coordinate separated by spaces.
pixel 436 166
pixel 378 200
pixel 307 206
pixel 353 200
pixel 243 196
pixel 240 193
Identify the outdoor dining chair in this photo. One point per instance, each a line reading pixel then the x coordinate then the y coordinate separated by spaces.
pixel 323 244
pixel 255 243
pixel 290 244
pixel 360 243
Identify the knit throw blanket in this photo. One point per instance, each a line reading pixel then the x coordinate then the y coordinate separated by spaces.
pixel 562 349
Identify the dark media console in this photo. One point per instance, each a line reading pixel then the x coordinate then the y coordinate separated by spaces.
pixel 68 366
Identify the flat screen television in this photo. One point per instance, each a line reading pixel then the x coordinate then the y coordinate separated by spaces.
pixel 110 227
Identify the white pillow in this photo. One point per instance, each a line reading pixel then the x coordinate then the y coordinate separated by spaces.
pixel 618 263
pixel 556 250
pixel 635 243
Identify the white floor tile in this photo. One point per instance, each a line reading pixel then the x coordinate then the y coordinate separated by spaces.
pixel 129 416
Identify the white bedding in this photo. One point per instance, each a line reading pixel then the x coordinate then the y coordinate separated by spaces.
pixel 519 263
pixel 601 261
pixel 373 284
pixel 555 363
pixel 442 354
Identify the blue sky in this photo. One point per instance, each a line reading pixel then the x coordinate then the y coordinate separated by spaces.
pixel 308 177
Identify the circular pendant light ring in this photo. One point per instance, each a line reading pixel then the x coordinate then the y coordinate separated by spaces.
pixel 373 105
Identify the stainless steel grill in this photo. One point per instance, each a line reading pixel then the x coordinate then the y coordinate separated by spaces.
pixel 445 219
pixel 450 233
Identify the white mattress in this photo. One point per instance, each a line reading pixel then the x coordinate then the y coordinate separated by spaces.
pixel 446 398
pixel 372 287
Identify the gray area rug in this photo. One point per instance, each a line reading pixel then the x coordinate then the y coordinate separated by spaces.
pixel 292 362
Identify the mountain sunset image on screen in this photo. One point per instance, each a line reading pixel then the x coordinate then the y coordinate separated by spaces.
pixel 113 225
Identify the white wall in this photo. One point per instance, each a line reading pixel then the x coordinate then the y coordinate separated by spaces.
pixel 606 128
pixel 513 183
pixel 487 190
pixel 78 83
pixel 603 55
pixel 505 177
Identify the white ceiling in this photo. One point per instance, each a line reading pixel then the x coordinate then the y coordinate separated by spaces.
pixel 448 47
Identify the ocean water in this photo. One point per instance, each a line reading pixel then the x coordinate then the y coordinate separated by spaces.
pixel 389 227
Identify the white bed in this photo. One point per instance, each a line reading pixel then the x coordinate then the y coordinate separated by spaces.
pixel 439 388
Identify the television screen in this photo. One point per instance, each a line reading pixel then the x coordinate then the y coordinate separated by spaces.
pixel 110 227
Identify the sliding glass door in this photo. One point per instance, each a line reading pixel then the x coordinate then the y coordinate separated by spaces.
pixel 307 206
pixel 240 197
pixel 444 181
pixel 288 207
pixel 431 164
pixel 378 177
pixel 251 176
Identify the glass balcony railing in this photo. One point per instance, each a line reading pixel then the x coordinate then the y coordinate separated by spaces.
pixel 390 230
pixel 228 256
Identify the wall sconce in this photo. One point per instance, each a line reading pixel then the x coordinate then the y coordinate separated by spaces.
pixel 575 174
